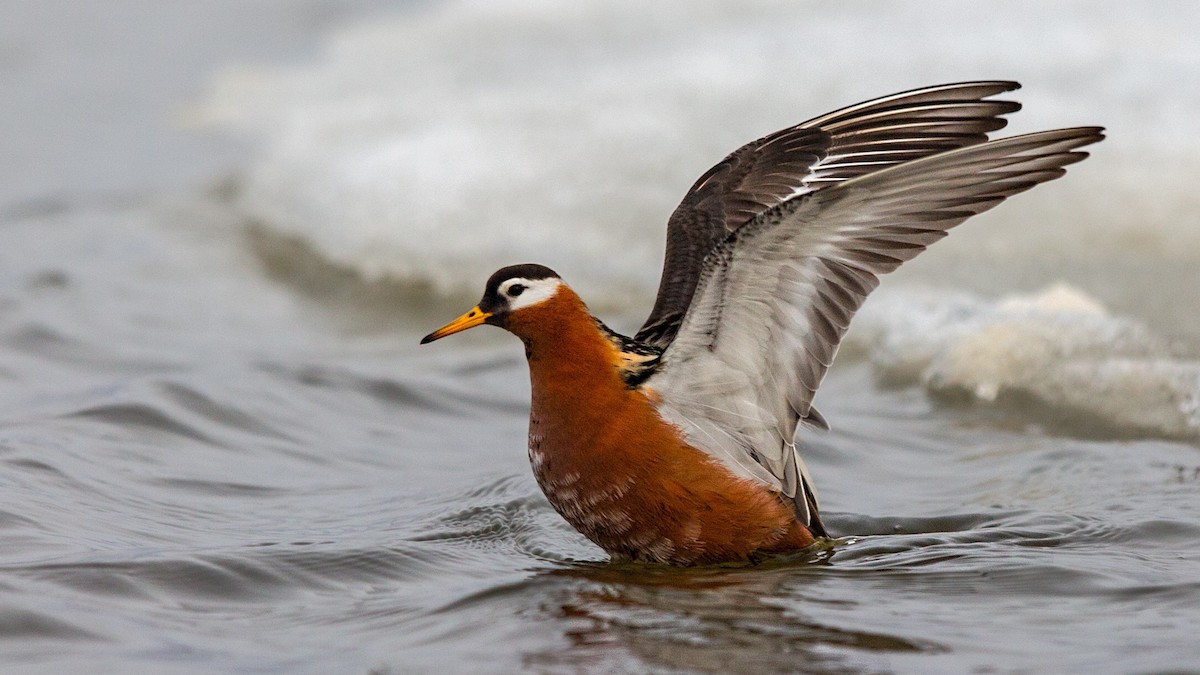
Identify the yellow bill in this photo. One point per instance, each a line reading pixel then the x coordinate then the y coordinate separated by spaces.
pixel 469 320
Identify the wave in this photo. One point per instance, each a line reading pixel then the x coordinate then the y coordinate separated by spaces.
pixel 432 147
pixel 1058 354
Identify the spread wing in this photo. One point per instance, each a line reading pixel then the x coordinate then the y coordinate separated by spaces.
pixel 775 296
pixel 824 151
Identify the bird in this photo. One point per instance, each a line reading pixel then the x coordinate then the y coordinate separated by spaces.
pixel 679 445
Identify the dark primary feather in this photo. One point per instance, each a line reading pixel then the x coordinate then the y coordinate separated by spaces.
pixel 823 151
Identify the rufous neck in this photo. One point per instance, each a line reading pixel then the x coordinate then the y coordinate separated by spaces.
pixel 569 357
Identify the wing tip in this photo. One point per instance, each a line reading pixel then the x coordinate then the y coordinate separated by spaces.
pixel 1073 137
pixel 1001 85
pixel 813 419
pixel 993 87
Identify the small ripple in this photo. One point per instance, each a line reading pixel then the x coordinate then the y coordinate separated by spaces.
pixel 863 525
pixel 48 280
pixel 424 394
pixel 335 568
pixel 225 415
pixel 195 578
pixel 142 416
pixel 10 520
pixel 36 465
pixel 486 366
pixel 386 391
pixel 1159 596
pixel 42 206
pixel 383 390
pixel 909 543
pixel 219 488
pixel 40 339
pixel 46 342
pixel 510 485
pixel 1023 554
pixel 510 516
pixel 247 576
pixel 1160 531
pixel 22 624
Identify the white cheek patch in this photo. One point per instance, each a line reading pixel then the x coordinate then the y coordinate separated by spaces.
pixel 536 291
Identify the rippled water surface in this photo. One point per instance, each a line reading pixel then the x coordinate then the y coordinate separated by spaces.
pixel 221 449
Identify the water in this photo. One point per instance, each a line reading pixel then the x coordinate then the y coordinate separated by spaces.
pixel 222 450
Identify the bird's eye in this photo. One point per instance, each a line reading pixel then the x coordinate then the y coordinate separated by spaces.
pixel 515 290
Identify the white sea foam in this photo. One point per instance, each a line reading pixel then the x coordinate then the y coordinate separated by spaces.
pixel 443 143
pixel 1058 348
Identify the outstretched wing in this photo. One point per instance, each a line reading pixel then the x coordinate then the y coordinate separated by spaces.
pixel 842 145
pixel 775 296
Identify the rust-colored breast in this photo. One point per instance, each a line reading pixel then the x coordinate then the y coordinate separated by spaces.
pixel 617 471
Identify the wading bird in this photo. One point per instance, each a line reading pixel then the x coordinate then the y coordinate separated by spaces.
pixel 678 445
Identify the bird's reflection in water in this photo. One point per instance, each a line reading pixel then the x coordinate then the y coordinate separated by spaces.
pixel 634 617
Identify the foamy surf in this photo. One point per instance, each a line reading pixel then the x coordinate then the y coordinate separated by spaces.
pixel 1058 349
pixel 439 145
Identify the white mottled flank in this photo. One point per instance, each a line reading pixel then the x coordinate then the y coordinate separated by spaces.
pixel 618 521
pixel 611 492
pixel 536 459
pixel 661 549
pixel 643 539
pixel 583 517
pixel 565 480
pixel 564 494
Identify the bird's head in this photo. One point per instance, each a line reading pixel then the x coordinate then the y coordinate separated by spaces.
pixel 511 291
